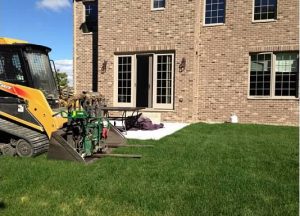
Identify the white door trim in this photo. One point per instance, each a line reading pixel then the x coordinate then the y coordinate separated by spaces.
pixel 133 81
pixel 155 103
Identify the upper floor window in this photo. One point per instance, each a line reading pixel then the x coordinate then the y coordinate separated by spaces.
pixel 265 9
pixel 214 11
pixel 91 16
pixel 158 4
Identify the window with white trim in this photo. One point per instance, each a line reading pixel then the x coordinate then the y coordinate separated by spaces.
pixel 274 74
pixel 214 11
pixel 124 79
pixel 164 79
pixel 286 74
pixel 265 9
pixel 158 4
pixel 260 75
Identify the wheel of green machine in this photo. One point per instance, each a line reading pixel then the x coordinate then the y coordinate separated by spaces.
pixel 24 149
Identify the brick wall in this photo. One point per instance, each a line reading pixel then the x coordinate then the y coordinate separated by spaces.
pixel 130 26
pixel 82 52
pixel 224 64
pixel 215 83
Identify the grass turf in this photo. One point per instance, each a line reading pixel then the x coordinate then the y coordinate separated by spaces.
pixel 203 169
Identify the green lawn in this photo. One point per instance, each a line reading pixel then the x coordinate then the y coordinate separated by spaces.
pixel 221 169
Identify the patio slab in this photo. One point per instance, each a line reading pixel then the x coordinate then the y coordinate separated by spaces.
pixel 169 128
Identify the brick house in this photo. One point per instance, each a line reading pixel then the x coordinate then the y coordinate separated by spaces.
pixel 191 60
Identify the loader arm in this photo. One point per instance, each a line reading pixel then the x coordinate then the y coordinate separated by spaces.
pixel 37 105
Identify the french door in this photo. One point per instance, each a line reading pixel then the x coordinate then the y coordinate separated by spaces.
pixel 125 86
pixel 159 74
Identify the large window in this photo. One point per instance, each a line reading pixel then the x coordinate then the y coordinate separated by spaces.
pixel 158 4
pixel 91 16
pixel 265 9
pixel 286 81
pixel 214 11
pixel 260 75
pixel 274 74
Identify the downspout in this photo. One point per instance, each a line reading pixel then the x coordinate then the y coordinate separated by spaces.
pixel 196 74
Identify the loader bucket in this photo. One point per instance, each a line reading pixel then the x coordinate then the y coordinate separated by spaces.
pixel 60 149
pixel 115 137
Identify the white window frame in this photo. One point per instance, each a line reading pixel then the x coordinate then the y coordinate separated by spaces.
pixel 133 81
pixel 160 105
pixel 157 9
pixel 264 20
pixel 273 78
pixel 271 75
pixel 213 24
pixel 155 105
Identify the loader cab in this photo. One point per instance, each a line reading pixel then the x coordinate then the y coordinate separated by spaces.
pixel 29 65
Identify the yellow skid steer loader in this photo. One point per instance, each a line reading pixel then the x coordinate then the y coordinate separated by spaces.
pixel 31 122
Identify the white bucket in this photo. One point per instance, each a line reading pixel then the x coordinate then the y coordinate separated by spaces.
pixel 234 119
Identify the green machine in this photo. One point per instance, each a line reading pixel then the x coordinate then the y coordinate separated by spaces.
pixel 92 132
pixel 87 135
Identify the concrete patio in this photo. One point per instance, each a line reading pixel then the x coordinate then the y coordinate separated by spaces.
pixel 169 128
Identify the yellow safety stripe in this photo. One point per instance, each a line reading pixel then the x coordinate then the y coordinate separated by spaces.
pixel 4 40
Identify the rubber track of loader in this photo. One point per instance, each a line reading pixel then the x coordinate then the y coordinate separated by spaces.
pixel 38 140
